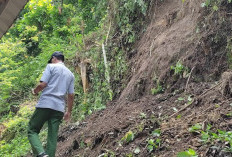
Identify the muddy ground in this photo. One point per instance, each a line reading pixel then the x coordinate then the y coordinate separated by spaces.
pixel 196 37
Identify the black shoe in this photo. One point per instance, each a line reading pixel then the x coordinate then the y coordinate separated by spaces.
pixel 42 155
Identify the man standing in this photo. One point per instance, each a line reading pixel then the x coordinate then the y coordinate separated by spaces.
pixel 57 81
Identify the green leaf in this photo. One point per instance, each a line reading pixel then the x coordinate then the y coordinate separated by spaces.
pixel 203 5
pixel 205 136
pixel 175 109
pixel 191 152
pixel 128 137
pixel 195 127
pixel 151 142
pixel 215 8
pixel 150 148
pixel 189 99
pixel 156 133
pixel 142 115
pixel 178 116
pixel 183 154
pixel 137 150
pixel 158 141
pixel 180 98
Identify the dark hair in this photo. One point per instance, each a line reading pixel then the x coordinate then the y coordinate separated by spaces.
pixel 59 55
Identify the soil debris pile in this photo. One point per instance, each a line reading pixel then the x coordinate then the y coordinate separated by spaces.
pixel 174 94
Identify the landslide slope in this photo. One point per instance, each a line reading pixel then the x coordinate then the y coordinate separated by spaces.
pixel 184 33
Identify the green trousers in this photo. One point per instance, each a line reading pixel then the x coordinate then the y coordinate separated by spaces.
pixel 40 116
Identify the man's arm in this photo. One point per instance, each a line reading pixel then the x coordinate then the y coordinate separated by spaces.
pixel 39 88
pixel 67 115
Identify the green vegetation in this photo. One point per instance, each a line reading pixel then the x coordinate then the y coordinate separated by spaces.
pixel 208 136
pixel 14 140
pixel 129 136
pixel 137 150
pixel 156 133
pixel 213 4
pixel 187 98
pixel 126 12
pixel 195 128
pixel 153 144
pixel 180 69
pixel 158 88
pixel 188 153
pixel 82 30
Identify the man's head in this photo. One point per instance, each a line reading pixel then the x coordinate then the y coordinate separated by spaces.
pixel 56 56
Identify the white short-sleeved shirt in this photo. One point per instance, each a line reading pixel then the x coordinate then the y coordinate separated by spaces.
pixel 60 81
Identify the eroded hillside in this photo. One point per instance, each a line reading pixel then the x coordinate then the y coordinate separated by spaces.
pixel 175 82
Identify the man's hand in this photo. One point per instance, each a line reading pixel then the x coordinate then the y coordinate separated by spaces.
pixel 33 92
pixel 67 116
pixel 39 88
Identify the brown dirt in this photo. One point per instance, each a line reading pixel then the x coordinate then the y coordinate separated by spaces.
pixel 171 36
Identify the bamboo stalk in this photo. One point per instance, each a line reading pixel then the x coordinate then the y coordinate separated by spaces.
pixel 106 65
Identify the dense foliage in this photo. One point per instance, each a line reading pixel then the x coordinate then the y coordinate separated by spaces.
pixel 82 30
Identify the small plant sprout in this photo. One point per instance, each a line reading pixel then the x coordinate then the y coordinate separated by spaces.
pixel 142 115
pixel 188 153
pixel 178 116
pixel 156 133
pixel 128 137
pixel 179 69
pixel 180 98
pixel 137 150
pixel 195 128
pixel 153 144
pixel 129 155
pixel 158 88
pixel 189 99
pixel 175 109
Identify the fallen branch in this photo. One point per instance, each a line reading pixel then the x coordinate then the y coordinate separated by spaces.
pixel 210 89
pixel 181 109
pixel 186 86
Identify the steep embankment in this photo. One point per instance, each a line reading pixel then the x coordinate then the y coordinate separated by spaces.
pixel 177 32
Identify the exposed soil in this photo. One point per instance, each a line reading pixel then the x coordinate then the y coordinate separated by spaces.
pixel 178 31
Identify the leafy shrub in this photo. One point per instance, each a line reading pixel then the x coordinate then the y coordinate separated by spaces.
pixel 179 69
pixel 19 146
pixel 126 13
pixel 14 140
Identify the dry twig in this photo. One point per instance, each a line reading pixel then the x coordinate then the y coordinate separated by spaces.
pixel 186 86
